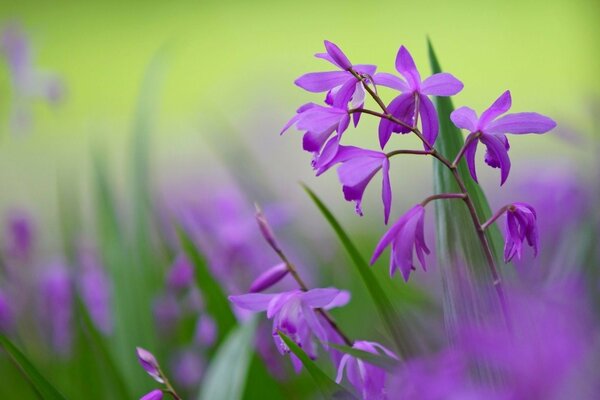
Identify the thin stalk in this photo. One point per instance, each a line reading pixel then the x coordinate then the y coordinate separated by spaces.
pixel 497 215
pixel 461 153
pixel 442 196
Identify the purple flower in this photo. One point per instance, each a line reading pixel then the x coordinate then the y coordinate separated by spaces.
pixel 293 313
pixel 166 312
pixel 342 87
pixel 20 235
pixel 490 129
pixel 367 379
pixel 187 367
pixel 6 313
pixel 405 234
pixel 153 395
pixel 520 225
pixel 55 306
pixel 149 363
pixel 413 99
pixel 95 288
pixel 206 331
pixel 319 123
pixel 358 167
pixel 181 274
pixel 269 278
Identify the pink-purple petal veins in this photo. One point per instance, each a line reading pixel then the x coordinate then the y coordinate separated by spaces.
pixel 470 152
pixel 407 68
pixel 499 107
pixel 337 55
pixel 442 84
pixel 322 81
pixel 465 118
pixel 527 122
pixel 153 395
pixel 269 278
pixel 403 108
pixel 149 363
pixel 498 155
pixel 391 81
pixel 252 301
pixel 429 119
pixel 386 190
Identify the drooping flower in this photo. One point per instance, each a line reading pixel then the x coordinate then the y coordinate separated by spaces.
pixel 413 99
pixel 407 233
pixel 153 395
pixel 367 379
pixel 521 224
pixel 342 87
pixel 181 273
pixel 269 278
pixel 6 313
pixel 491 129
pixel 28 83
pixel 56 306
pixel 358 167
pixel 149 363
pixel 319 123
pixel 294 314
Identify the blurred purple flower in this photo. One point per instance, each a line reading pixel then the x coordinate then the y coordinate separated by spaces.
pixel 166 313
pixel 269 278
pixel 358 167
pixel 413 99
pixel 206 331
pixel 187 368
pixel 407 233
pixel 19 236
pixel 367 379
pixel 56 305
pixel 181 274
pixel 29 84
pixel 520 225
pixel 293 313
pixel 153 395
pixel 6 313
pixel 342 87
pixel 95 288
pixel 149 363
pixel 491 129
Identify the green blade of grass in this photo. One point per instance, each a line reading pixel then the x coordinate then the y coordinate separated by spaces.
pixel 226 376
pixel 217 303
pixel 327 386
pixel 40 385
pixel 391 318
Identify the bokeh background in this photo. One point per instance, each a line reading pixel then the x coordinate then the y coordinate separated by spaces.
pixel 226 89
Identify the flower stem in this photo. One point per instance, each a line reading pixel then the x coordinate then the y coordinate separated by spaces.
pixel 442 196
pixel 494 217
pixel 461 153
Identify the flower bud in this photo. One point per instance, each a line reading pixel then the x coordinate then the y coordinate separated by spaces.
pixel 269 278
pixel 150 365
pixel 265 229
pixel 153 395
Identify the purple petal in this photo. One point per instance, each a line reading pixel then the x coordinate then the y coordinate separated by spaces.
pixel 470 157
pixel 149 363
pixel 465 118
pixel 269 278
pixel 320 118
pixel 391 81
pixel 406 66
pixel 337 55
pixel 153 395
pixel 252 301
pixel 322 81
pixel 442 84
pixel 429 119
pixel 402 107
pixel 320 297
pixel 314 324
pixel 498 150
pixel 356 174
pixel 527 122
pixel 386 190
pixel 403 248
pixel 344 94
pixel 339 301
pixel 314 141
pixel 366 69
pixel 500 106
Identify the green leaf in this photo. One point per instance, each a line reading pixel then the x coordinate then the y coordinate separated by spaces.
pixel 217 304
pixel 327 386
pixel 392 319
pixel 226 376
pixel 381 359
pixel 41 386
pixel 457 240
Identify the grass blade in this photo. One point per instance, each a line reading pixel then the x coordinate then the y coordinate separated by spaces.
pixel 41 386
pixel 381 360
pixel 226 377
pixel 327 386
pixel 385 308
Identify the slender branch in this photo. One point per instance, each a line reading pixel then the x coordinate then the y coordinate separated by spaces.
pixel 461 152
pixel 415 152
pixel 442 196
pixel 497 215
pixel 269 237
pixel 168 387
